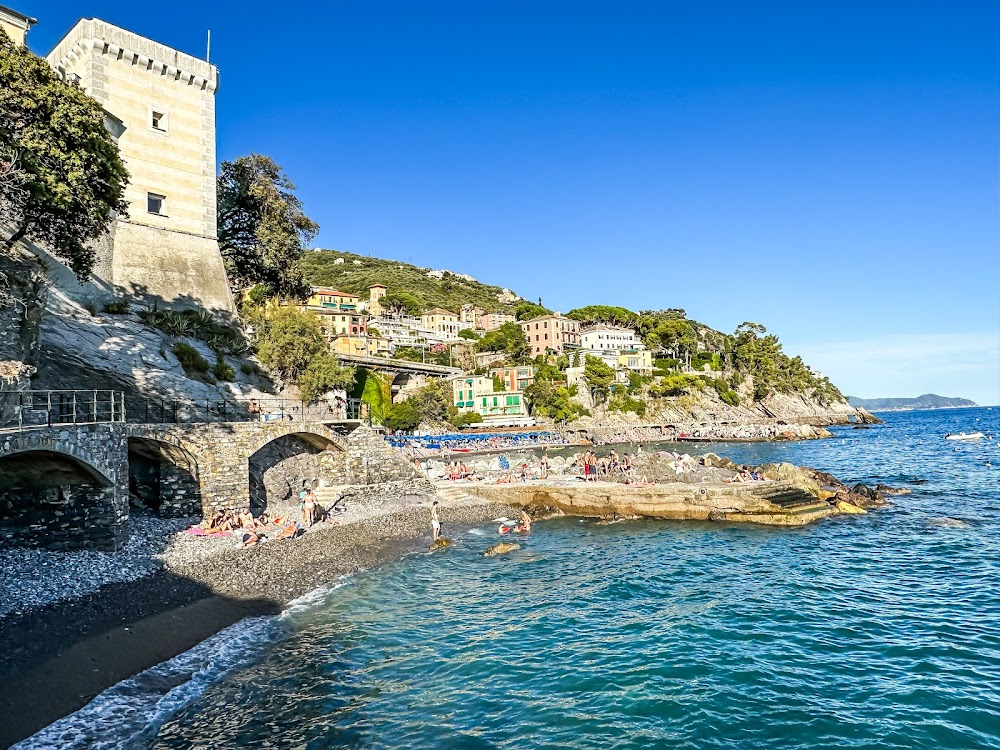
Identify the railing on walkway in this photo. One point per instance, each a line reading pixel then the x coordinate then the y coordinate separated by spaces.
pixel 20 410
pixel 179 411
pixel 26 409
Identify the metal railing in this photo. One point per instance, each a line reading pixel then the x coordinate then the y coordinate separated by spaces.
pixel 21 410
pixel 179 411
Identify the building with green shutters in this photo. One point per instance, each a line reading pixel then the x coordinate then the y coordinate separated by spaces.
pixel 497 408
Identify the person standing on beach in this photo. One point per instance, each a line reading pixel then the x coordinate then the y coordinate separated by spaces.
pixel 309 508
pixel 435 521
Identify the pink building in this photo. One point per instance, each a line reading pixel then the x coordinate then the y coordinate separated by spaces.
pixel 552 333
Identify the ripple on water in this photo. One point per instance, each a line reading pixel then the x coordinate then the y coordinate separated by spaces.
pixel 873 631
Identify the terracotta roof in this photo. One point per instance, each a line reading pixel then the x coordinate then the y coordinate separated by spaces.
pixel 439 311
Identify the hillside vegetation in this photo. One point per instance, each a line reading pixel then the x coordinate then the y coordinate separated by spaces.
pixel 358 272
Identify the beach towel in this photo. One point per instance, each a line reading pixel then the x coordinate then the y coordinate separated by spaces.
pixel 504 463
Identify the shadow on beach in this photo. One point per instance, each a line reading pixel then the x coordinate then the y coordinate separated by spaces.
pixel 58 657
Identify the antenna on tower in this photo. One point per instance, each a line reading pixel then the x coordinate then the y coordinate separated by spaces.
pixel 208 47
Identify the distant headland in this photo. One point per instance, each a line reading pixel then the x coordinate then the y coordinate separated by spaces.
pixel 927 401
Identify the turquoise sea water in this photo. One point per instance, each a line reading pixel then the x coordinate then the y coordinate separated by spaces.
pixel 863 631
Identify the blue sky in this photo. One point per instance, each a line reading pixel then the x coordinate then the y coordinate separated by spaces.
pixel 828 170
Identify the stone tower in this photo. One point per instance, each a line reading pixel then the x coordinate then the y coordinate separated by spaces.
pixel 161 106
pixel 375 294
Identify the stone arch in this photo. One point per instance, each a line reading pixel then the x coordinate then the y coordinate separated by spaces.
pixel 57 499
pixel 163 475
pixel 72 453
pixel 286 461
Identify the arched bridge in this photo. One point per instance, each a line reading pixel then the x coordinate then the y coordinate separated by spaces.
pixel 70 461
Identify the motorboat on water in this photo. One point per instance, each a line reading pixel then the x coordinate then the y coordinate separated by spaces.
pixel 965 436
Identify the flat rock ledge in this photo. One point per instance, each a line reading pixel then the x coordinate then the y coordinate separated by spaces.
pixel 773 503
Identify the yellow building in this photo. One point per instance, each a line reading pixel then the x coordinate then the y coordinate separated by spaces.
pixel 161 108
pixel 637 360
pixel 361 346
pixel 441 321
pixel 15 25
pixel 331 299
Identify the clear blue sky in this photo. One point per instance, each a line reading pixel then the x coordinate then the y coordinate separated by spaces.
pixel 827 169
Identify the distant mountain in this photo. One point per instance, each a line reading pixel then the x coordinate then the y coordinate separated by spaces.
pixel 927 401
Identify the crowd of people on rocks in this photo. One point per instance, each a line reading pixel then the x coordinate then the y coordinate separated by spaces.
pixel 596 468
pixel 250 530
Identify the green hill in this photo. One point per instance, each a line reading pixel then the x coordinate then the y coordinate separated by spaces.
pixel 357 272
pixel 927 401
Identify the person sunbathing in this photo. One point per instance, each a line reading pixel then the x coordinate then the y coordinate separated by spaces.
pixel 245 519
pixel 248 539
pixel 290 531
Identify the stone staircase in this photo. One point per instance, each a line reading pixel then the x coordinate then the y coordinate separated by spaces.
pixel 790 499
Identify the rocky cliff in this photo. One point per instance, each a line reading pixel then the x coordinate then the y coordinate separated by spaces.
pixel 51 340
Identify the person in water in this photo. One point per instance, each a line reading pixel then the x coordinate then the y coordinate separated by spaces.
pixel 525 521
pixel 522 527
pixel 435 521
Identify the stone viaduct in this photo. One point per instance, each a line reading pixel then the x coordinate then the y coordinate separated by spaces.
pixel 69 486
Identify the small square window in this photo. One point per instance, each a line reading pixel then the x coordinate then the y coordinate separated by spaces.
pixel 158 120
pixel 156 204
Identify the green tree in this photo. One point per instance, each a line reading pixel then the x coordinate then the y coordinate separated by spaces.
pixel 434 400
pixel 509 339
pixel 288 340
pixel 525 310
pixel 324 374
pixel 498 384
pixel 400 303
pixel 262 227
pixel 62 180
pixel 468 333
pixel 546 398
pixel 599 376
pixel 618 316
pixel 405 415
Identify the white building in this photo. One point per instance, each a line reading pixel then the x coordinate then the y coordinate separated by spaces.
pixel 604 337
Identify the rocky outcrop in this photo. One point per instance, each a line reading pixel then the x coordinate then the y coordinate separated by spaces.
pixel 501 548
pixel 863 416
pixel 768 503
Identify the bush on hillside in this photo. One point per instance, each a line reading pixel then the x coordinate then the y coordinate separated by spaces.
pixel 190 359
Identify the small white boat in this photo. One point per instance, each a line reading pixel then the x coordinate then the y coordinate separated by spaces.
pixel 965 436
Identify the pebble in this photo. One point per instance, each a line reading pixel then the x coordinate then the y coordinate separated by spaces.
pixel 34 578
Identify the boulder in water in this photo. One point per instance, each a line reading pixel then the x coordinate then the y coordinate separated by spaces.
pixel 439 544
pixel 501 548
pixel 887 490
pixel 846 507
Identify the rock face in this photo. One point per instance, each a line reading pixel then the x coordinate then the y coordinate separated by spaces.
pixel 501 548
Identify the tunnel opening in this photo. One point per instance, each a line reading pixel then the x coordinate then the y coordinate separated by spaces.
pixel 163 478
pixel 57 501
